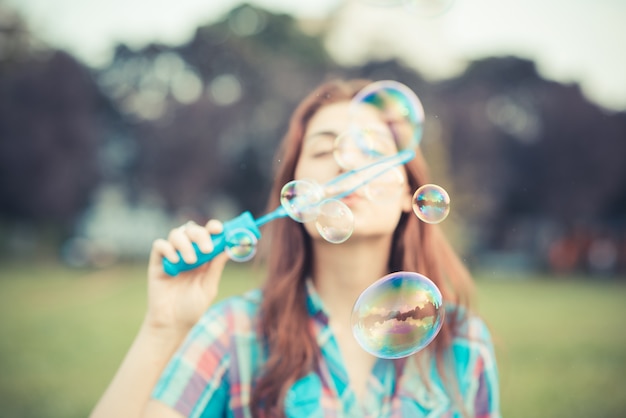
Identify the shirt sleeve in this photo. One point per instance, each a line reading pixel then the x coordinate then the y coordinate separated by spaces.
pixel 195 381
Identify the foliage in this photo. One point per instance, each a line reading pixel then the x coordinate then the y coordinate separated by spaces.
pixel 248 70
pixel 49 135
pixel 530 163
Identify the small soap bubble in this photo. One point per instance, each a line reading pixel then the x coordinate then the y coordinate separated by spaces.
pixel 399 107
pixel 398 315
pixel 335 221
pixel 300 199
pixel 431 203
pixel 241 245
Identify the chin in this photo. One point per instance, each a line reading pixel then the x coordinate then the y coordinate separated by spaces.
pixel 374 227
pixel 369 234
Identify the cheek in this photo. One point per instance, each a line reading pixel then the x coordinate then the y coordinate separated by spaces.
pixel 311 230
pixel 301 171
pixel 387 215
pixel 407 200
pixel 321 171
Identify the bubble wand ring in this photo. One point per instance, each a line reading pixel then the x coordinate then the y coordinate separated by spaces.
pixel 336 188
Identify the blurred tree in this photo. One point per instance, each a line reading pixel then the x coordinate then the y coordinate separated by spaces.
pixel 616 209
pixel 527 151
pixel 49 130
pixel 208 114
pixel 196 125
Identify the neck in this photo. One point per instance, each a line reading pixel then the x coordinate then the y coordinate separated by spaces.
pixel 342 272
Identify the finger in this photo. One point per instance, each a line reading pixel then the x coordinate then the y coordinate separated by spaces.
pixel 164 248
pixel 214 227
pixel 199 235
pixel 182 243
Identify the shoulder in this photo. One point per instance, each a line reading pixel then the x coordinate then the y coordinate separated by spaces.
pixel 475 363
pixel 469 358
pixel 472 344
pixel 468 325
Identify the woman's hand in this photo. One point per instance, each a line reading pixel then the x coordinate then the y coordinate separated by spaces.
pixel 176 303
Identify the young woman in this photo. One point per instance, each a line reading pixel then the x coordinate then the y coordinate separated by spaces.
pixel 287 349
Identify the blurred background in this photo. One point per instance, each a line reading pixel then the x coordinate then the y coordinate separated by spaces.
pixel 121 119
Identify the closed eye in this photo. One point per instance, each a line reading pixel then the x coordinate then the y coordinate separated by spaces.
pixel 322 153
pixel 320 144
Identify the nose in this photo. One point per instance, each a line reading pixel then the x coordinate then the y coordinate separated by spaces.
pixel 350 156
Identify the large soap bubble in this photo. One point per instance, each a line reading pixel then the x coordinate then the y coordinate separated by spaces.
pixel 398 315
pixel 399 107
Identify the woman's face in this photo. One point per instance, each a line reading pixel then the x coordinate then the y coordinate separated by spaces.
pixel 372 216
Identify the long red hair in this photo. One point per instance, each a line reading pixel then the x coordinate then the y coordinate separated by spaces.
pixel 284 319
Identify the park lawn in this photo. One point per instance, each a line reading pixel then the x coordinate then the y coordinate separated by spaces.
pixel 561 343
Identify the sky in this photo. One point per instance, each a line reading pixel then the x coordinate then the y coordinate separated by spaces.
pixel 571 41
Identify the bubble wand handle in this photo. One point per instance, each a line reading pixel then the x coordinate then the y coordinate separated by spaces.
pixel 244 221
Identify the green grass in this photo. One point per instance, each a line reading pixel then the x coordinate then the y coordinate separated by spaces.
pixel 561 344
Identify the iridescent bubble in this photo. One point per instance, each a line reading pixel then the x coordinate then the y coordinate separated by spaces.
pixel 431 203
pixel 359 147
pixel 335 221
pixel 240 245
pixel 300 199
pixel 428 8
pixel 398 315
pixel 385 188
pixel 399 107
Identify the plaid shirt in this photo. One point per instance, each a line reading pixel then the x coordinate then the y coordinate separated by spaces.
pixel 213 373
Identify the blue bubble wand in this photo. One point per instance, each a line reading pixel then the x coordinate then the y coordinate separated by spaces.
pixel 337 188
